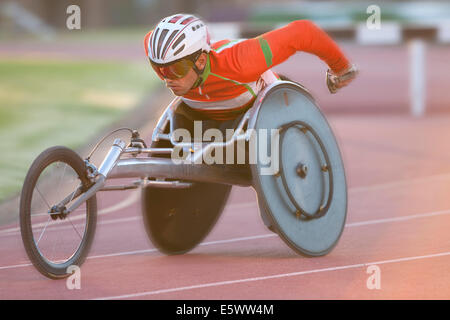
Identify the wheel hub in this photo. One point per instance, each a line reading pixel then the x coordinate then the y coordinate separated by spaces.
pixel 58 212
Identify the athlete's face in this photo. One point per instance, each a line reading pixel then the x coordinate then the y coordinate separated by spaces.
pixel 181 86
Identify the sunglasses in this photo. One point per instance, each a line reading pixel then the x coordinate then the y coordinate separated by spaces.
pixel 177 69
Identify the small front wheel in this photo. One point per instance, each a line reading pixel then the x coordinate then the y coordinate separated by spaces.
pixel 53 240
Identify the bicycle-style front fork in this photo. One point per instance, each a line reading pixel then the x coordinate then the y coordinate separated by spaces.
pixel 98 178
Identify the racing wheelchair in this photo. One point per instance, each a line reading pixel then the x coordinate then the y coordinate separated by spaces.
pixel 302 194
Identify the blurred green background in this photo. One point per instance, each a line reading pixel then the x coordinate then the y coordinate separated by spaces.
pixel 53 102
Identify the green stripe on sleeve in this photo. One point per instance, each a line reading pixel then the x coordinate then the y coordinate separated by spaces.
pixel 266 50
pixel 236 82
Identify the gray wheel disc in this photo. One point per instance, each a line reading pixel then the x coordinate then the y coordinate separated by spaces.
pixel 307 197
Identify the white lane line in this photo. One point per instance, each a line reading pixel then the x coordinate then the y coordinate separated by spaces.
pixel 267 235
pixel 124 253
pixel 132 198
pixel 275 276
pixel 242 205
pixel 399 183
pixel 253 204
pixel 65 227
pixel 16 266
pixel 135 196
pixel 121 205
pixel 395 219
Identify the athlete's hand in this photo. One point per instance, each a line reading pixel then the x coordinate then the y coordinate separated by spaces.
pixel 338 81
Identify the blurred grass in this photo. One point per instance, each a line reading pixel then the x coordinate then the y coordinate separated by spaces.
pixel 45 103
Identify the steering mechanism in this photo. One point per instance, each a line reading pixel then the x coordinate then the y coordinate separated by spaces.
pixel 136 141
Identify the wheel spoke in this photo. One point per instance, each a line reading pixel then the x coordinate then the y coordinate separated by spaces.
pixel 52 254
pixel 46 202
pixel 60 180
pixel 42 233
pixel 39 214
pixel 73 194
pixel 74 228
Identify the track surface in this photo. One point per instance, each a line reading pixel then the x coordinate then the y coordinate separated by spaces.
pixel 398 219
pixel 398 171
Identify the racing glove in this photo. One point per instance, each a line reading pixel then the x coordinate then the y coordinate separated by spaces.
pixel 336 82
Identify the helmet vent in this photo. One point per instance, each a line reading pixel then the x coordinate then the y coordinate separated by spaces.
pixel 197 27
pixel 179 50
pixel 172 35
pixel 181 38
pixel 187 20
pixel 154 41
pixel 161 40
pixel 175 19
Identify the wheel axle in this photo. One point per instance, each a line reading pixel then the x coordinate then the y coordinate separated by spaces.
pixel 58 212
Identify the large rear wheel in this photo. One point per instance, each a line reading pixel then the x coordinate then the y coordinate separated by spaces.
pixel 304 194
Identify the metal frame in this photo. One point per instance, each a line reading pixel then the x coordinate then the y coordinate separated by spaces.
pixel 165 168
pixel 249 120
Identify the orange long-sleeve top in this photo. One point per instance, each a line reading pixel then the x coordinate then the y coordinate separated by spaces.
pixel 232 76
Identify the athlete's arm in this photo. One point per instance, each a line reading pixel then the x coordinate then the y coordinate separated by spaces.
pixel 252 57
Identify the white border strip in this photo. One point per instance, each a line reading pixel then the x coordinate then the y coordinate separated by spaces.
pixel 267 235
pixel 133 197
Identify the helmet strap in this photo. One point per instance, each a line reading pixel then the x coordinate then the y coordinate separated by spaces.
pixel 200 76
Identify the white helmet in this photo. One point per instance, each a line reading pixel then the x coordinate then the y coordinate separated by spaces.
pixel 176 37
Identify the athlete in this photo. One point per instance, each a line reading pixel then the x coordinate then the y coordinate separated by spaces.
pixel 220 81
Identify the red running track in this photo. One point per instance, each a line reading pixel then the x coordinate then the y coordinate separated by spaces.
pixel 398 171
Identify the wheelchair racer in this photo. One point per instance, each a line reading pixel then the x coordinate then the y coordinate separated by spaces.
pixel 218 82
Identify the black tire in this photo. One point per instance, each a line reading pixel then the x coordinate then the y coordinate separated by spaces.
pixel 177 220
pixel 43 265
